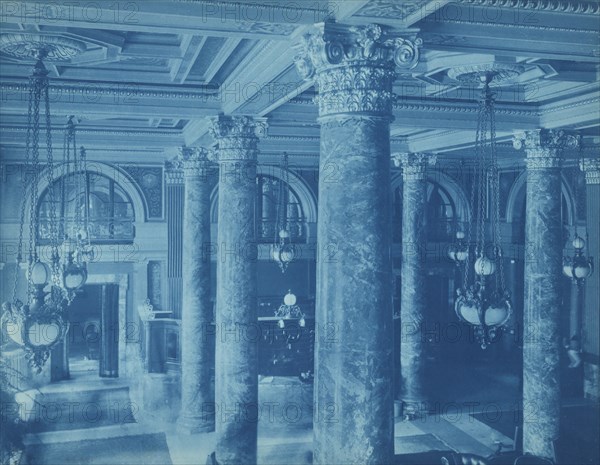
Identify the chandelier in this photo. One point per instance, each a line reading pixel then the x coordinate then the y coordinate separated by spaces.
pixel 39 324
pixel 282 250
pixel 75 231
pixel 483 300
pixel 459 251
pixel 289 309
pixel 578 267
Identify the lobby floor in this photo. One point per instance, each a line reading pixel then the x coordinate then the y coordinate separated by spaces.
pixel 469 417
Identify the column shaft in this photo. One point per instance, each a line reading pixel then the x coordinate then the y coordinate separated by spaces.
pixel 197 356
pixel 412 311
pixel 354 70
pixel 237 341
pixel 543 275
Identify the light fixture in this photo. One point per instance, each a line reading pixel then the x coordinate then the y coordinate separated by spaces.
pixel 288 310
pixel 483 300
pixel 39 324
pixel 458 251
pixel 282 250
pixel 579 267
pixel 76 235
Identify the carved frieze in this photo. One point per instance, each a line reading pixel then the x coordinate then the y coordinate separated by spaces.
pixel 149 181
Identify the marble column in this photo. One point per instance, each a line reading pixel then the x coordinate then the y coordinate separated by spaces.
pixel 412 299
pixel 197 357
pixel 543 276
pixel 591 317
pixel 354 68
pixel 236 320
pixel 174 192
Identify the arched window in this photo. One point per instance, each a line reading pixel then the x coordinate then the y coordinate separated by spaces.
pixel 267 209
pixel 440 218
pixel 111 214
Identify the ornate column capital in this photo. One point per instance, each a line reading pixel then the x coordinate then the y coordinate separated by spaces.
pixel 354 66
pixel 237 137
pixel 414 165
pixel 544 146
pixel 195 161
pixel 173 172
pixel 591 168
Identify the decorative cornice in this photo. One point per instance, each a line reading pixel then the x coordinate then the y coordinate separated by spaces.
pixel 561 6
pixel 544 147
pixel 195 161
pixel 237 137
pixel 414 165
pixel 173 175
pixel 354 66
pixel 54 48
pixel 591 168
pixel 401 103
pixel 117 89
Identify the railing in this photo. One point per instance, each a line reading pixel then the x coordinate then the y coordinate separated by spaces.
pixel 101 231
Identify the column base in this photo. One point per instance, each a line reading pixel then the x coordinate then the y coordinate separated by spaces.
pixel 212 459
pixel 193 425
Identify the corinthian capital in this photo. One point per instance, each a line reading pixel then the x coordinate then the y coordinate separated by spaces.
pixel 355 66
pixel 544 146
pixel 237 137
pixel 336 44
pixel 195 161
pixel 414 165
pixel 591 168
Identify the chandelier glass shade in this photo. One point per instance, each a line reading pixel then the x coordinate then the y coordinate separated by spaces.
pixel 578 267
pixel 288 310
pixel 39 323
pixel 282 249
pixel 483 300
pixel 458 251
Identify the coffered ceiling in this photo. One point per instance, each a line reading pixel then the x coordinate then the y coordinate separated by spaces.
pixel 143 76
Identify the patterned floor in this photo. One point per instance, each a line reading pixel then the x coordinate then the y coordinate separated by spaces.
pixel 457 423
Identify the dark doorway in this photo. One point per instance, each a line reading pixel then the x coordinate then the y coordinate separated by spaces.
pixel 92 344
pixel 85 315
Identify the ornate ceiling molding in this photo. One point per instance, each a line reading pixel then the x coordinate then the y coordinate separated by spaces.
pixel 25 46
pixel 473 75
pixel 561 6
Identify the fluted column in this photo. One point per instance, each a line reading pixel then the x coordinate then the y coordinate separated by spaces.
pixel 174 211
pixel 354 68
pixel 236 341
pixel 412 300
pixel 197 357
pixel 591 319
pixel 543 274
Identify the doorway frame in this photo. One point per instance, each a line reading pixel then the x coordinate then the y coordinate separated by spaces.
pixel 121 280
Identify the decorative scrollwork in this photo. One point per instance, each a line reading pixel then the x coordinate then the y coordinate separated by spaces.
pixel 29 46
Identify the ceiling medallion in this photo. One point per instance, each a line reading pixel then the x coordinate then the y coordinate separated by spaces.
pixel 475 75
pixel 28 46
